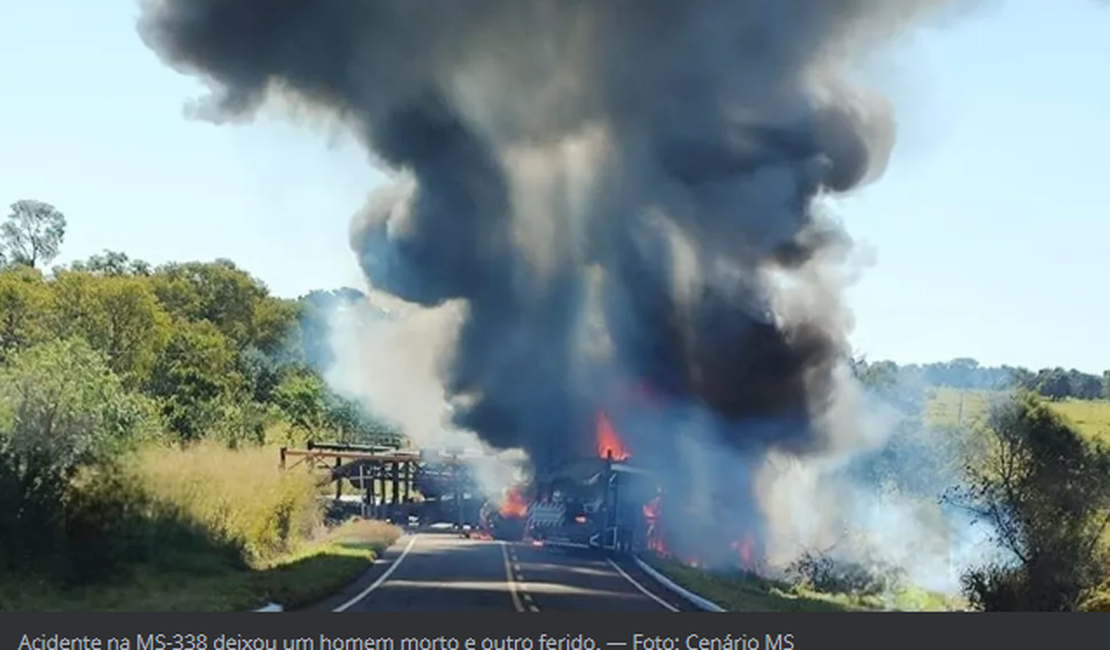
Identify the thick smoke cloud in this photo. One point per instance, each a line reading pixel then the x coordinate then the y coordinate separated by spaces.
pixel 615 190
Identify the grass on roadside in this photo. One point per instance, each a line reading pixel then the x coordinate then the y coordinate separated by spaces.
pixel 294 580
pixel 745 592
pixel 196 529
pixel 952 406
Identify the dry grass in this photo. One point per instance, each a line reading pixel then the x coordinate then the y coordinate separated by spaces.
pixel 239 497
pixel 365 533
pixel 951 406
pixel 1090 417
pixel 219 499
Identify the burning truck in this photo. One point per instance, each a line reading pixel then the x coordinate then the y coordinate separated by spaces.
pixel 612 503
pixel 577 505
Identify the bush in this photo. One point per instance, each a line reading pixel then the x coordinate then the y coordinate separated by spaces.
pixel 1045 492
pixel 61 405
pixel 61 412
pixel 997 588
pixel 822 573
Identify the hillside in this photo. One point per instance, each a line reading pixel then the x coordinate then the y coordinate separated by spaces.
pixel 951 406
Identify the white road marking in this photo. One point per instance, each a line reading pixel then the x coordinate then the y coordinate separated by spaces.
pixel 509 579
pixel 381 579
pixel 642 588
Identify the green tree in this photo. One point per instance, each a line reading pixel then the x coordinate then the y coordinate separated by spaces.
pixel 112 263
pixel 61 410
pixel 24 298
pixel 217 292
pixel 137 328
pixel 1022 378
pixel 60 402
pixel 261 373
pixel 33 233
pixel 117 314
pixel 228 297
pixel 352 423
pixel 1083 385
pixel 194 378
pixel 1053 383
pixel 301 396
pixel 1045 492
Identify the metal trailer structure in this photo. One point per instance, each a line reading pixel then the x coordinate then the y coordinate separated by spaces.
pixel 397 485
pixel 590 503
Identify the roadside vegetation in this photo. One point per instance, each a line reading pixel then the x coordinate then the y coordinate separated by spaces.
pixel 1023 453
pixel 740 591
pixel 140 411
pixel 141 408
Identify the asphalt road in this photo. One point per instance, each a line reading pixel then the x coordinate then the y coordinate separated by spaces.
pixel 441 572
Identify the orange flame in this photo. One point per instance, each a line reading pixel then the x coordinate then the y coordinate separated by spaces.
pixel 513 505
pixel 743 548
pixel 607 441
pixel 654 535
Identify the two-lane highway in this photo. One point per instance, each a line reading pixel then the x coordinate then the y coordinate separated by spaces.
pixel 440 572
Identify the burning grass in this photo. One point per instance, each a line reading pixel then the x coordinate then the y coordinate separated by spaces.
pixel 207 529
pixel 851 587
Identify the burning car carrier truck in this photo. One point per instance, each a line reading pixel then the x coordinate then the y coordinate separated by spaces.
pixel 587 504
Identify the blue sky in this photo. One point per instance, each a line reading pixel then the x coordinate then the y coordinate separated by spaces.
pixel 989 230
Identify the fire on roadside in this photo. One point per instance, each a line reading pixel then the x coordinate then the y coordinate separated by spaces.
pixel 742 548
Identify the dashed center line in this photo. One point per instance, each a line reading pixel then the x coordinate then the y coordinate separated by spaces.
pixel 517 605
pixel 518 583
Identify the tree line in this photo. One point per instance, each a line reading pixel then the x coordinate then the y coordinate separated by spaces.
pixel 107 357
pixel 204 344
pixel 967 374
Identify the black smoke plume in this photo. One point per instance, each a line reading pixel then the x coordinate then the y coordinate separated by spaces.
pixel 614 188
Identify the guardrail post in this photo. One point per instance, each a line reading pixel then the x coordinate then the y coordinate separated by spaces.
pixel 338 479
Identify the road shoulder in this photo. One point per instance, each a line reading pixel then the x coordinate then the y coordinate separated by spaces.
pixel 630 567
pixel 388 559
